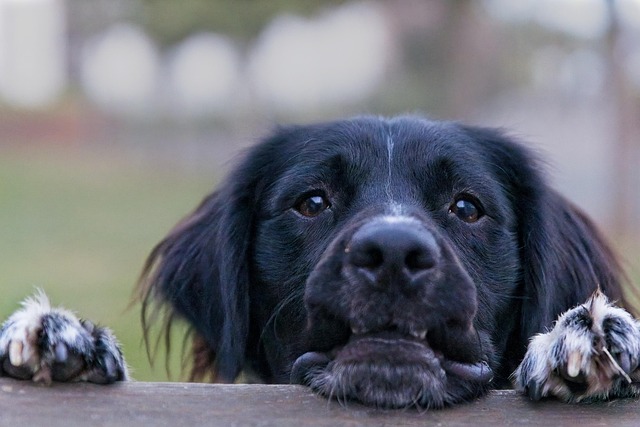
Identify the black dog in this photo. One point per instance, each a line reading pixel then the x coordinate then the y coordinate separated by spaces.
pixel 395 262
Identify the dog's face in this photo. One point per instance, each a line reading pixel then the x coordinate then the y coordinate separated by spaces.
pixel 396 262
pixel 398 240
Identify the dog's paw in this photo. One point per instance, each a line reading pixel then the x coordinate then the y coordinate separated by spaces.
pixel 592 353
pixel 47 344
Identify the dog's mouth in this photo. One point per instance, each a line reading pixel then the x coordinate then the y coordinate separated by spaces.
pixel 390 321
pixel 389 369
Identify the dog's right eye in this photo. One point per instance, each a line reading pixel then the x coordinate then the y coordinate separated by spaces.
pixel 312 206
pixel 467 209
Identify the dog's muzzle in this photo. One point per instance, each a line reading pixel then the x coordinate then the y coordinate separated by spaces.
pixel 391 318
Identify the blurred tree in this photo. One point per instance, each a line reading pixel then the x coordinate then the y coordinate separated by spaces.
pixel 450 63
pixel 626 111
pixel 471 59
pixel 170 21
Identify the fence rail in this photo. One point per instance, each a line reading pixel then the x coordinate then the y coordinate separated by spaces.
pixel 23 403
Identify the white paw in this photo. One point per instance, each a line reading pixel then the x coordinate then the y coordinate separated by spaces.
pixel 592 352
pixel 47 344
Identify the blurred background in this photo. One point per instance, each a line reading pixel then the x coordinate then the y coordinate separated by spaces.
pixel 118 116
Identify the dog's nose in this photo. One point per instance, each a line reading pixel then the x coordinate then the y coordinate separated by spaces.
pixel 389 253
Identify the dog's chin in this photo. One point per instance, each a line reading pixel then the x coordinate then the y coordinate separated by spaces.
pixel 386 370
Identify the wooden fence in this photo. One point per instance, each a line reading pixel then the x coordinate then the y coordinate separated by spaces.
pixel 23 403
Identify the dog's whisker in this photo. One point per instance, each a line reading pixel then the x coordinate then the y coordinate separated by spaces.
pixel 272 322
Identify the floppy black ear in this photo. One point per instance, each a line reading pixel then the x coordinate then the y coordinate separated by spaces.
pixel 200 273
pixel 563 256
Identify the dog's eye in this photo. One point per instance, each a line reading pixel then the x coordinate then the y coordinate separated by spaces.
pixel 312 206
pixel 467 209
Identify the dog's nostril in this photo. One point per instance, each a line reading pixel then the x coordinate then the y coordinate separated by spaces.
pixel 370 258
pixel 419 259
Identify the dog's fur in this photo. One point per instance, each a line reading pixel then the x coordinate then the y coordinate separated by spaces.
pixel 51 344
pixel 396 262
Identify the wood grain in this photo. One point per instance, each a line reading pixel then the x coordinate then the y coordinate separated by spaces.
pixel 23 403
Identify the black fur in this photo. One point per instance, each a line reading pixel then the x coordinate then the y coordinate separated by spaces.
pixel 263 285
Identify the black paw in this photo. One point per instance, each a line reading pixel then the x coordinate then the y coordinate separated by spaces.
pixel 591 353
pixel 47 344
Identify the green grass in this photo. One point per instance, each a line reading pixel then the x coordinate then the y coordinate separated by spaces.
pixel 79 222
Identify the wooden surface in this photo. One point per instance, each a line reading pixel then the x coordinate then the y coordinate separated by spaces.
pixel 23 403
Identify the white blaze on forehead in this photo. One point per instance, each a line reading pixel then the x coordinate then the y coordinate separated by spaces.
pixel 390 144
pixel 398 219
pixel 396 210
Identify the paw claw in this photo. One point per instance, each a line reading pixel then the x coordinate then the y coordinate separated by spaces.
pixel 533 390
pixel 574 364
pixel 624 360
pixel 61 352
pixel 106 373
pixel 110 367
pixel 15 353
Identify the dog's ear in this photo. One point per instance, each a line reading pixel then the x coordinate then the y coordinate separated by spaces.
pixel 200 273
pixel 564 258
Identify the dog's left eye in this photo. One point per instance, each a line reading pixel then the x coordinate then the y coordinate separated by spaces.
pixel 312 206
pixel 466 209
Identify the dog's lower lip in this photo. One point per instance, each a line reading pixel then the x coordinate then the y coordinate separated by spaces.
pixel 305 364
pixel 412 335
pixel 477 372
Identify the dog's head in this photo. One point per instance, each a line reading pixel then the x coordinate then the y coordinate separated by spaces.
pixel 395 262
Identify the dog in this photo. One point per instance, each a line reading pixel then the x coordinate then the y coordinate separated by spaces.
pixel 400 262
